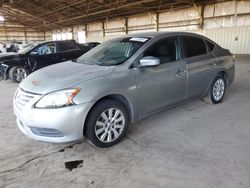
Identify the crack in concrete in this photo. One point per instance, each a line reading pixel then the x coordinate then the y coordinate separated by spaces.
pixel 37 157
pixel 43 172
pixel 234 124
pixel 198 151
pixel 132 140
pixel 207 145
pixel 141 145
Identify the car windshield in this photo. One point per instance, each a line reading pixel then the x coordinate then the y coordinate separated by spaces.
pixel 113 52
pixel 28 48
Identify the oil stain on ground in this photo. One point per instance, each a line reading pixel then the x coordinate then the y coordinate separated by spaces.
pixel 70 165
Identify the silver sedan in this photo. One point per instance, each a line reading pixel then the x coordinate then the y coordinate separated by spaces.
pixel 120 82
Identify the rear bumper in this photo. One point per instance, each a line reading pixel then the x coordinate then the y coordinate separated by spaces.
pixel 231 74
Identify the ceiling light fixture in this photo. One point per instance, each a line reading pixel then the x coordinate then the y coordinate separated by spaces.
pixel 1 18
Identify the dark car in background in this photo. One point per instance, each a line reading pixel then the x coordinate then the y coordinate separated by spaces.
pixel 16 66
pixel 91 44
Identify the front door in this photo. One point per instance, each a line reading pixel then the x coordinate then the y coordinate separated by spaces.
pixel 44 55
pixel 164 84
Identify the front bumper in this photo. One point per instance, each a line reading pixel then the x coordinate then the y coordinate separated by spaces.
pixel 3 71
pixel 52 125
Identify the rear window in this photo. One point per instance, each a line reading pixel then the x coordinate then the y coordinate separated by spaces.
pixel 194 46
pixel 66 46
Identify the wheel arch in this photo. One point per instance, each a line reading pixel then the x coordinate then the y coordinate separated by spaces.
pixel 221 72
pixel 6 72
pixel 16 65
pixel 225 76
pixel 118 97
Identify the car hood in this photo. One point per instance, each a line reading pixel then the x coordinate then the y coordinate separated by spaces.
pixel 9 55
pixel 62 76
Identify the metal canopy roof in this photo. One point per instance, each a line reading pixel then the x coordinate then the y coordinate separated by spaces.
pixel 45 15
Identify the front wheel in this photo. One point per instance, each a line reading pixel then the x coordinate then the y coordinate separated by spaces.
pixel 217 90
pixel 107 123
pixel 18 73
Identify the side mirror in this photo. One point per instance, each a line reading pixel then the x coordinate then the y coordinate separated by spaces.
pixel 33 53
pixel 149 61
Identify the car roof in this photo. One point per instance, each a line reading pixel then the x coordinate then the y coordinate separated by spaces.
pixel 43 42
pixel 163 33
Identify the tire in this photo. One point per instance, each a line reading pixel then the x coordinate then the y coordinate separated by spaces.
pixel 17 73
pixel 106 131
pixel 217 90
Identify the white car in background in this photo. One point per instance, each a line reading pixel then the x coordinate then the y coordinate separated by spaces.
pixel 2 49
pixel 22 46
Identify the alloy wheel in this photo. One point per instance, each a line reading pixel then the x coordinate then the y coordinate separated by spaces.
pixel 109 125
pixel 218 89
pixel 19 74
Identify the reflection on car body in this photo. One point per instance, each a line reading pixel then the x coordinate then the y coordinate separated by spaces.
pixel 17 66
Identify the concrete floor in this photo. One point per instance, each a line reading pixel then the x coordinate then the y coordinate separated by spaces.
pixel 194 145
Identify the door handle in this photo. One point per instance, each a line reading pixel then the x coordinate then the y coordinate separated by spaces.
pixel 180 72
pixel 212 64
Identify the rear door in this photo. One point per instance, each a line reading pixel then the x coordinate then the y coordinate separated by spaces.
pixel 200 65
pixel 69 50
pixel 164 84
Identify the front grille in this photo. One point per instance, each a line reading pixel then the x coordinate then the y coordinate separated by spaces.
pixel 22 98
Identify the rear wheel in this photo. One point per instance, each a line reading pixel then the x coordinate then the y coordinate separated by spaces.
pixel 107 123
pixel 18 73
pixel 217 90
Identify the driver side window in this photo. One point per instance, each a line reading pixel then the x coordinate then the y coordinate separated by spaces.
pixel 166 50
pixel 45 49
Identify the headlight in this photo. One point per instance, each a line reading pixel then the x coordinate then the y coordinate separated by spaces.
pixel 58 99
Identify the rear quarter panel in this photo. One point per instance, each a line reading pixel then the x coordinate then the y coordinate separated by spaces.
pixel 225 63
